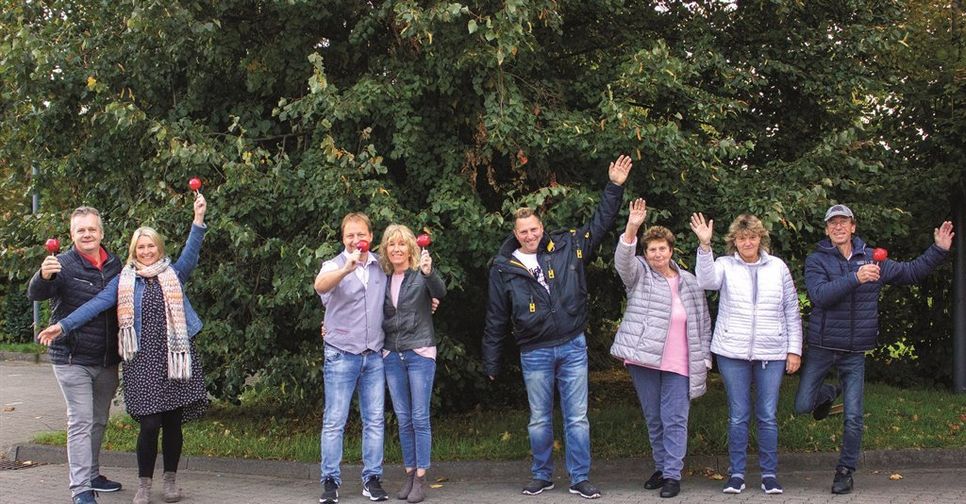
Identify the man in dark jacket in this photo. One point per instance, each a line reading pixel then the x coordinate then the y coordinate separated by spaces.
pixel 843 282
pixel 85 360
pixel 538 289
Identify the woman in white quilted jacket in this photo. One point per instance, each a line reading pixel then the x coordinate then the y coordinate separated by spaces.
pixel 757 337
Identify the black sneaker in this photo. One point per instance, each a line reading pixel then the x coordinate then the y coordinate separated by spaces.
pixel 734 485
pixel 102 484
pixel 655 481
pixel 372 488
pixel 672 488
pixel 537 486
pixel 585 489
pixel 821 411
pixel 330 492
pixel 842 484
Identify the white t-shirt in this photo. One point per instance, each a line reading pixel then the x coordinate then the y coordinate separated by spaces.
pixel 532 265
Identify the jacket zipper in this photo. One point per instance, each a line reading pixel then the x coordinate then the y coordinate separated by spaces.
pixel 754 312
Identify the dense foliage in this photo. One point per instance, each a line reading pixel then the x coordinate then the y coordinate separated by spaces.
pixel 446 116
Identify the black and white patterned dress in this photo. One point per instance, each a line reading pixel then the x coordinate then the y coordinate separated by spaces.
pixel 147 389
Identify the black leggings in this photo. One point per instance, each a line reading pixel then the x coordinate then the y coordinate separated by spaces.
pixel 171 442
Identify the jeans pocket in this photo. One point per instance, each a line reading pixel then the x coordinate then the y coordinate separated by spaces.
pixel 332 354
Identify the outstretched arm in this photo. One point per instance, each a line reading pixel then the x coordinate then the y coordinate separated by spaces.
pixel 188 259
pixel 629 269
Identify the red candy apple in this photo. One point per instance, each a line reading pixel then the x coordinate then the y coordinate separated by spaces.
pixel 52 245
pixel 423 240
pixel 880 255
pixel 362 246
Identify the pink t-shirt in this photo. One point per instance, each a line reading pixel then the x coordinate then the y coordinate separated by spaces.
pixel 675 357
pixel 395 283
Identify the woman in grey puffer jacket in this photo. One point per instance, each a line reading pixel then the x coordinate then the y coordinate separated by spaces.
pixel 664 341
pixel 757 337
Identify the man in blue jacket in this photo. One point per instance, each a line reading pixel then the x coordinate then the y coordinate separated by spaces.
pixel 84 360
pixel 843 283
pixel 538 289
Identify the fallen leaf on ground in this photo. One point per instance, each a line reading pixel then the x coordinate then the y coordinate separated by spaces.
pixel 435 485
pixel 505 436
pixel 8 409
pixel 441 480
pixel 712 474
pixel 895 476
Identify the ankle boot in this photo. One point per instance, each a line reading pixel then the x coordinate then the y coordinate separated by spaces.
pixel 143 495
pixel 407 486
pixel 170 488
pixel 418 493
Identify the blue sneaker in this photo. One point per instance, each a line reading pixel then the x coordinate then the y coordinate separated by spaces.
pixel 771 486
pixel 85 498
pixel 734 485
pixel 102 484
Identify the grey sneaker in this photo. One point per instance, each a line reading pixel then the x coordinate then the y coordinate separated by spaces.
pixel 372 488
pixel 537 486
pixel 330 492
pixel 585 489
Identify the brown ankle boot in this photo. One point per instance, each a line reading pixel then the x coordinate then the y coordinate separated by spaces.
pixel 418 493
pixel 407 486
pixel 169 488
pixel 143 495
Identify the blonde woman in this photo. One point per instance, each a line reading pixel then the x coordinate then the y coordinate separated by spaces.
pixel 757 337
pixel 409 351
pixel 163 381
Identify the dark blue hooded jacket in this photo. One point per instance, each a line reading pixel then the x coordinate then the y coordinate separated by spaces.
pixel 845 314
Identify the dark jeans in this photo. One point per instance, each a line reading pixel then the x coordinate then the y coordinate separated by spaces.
pixel 812 391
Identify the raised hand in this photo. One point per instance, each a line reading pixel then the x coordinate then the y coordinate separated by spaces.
pixel 638 213
pixel 944 235
pixel 50 267
pixel 425 262
pixel 702 229
pixel 352 261
pixel 50 334
pixel 619 169
pixel 201 206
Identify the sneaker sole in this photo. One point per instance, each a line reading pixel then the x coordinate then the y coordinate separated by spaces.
pixel 732 490
pixel 365 493
pixel 538 492
pixel 329 501
pixel 100 490
pixel 772 491
pixel 591 496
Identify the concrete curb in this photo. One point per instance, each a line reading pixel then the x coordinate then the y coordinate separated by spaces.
pixel 517 470
pixel 36 358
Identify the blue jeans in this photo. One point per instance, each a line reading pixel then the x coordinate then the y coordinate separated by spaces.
pixel 566 366
pixel 812 391
pixel 664 400
pixel 738 376
pixel 343 373
pixel 410 379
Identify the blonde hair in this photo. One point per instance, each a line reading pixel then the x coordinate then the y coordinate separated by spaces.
pixel 356 217
pixel 524 213
pixel 152 235
pixel 398 232
pixel 655 233
pixel 746 224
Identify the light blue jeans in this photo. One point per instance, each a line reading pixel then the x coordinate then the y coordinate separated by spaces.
pixel 343 373
pixel 88 391
pixel 410 379
pixel 664 400
pixel 738 376
pixel 812 391
pixel 566 366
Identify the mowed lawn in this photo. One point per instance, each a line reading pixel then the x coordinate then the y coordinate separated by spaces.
pixel 894 419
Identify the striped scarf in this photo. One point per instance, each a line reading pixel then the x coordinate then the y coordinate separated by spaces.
pixel 179 350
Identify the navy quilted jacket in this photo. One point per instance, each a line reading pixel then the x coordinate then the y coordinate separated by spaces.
pixel 94 343
pixel 845 314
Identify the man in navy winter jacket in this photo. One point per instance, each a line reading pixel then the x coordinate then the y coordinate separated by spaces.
pixel 843 283
pixel 84 360
pixel 538 290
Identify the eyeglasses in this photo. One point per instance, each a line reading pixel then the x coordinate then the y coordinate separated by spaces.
pixel 838 223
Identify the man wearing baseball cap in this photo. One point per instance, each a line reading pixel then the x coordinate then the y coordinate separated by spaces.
pixel 843 283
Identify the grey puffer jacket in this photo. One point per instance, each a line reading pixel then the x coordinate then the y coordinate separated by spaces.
pixel 644 329
pixel 757 320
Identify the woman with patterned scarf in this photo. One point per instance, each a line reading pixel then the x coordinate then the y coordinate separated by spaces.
pixel 163 381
